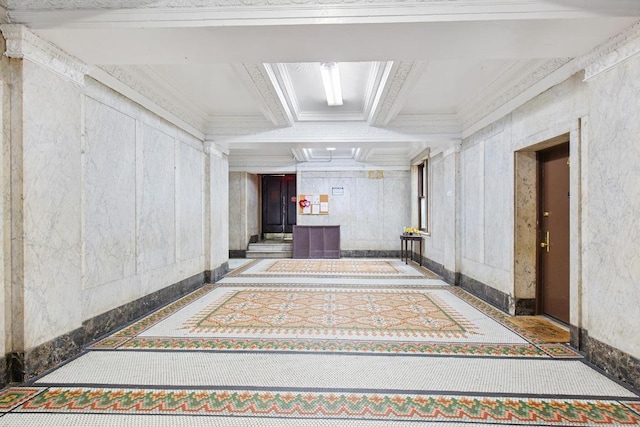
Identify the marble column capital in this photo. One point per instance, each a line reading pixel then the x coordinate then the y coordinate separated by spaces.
pixel 210 147
pixel 22 43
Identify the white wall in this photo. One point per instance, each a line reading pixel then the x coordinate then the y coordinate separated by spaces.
pixel 602 118
pixel 115 204
pixel 243 209
pixel 611 208
pixel 373 210
pixel 143 202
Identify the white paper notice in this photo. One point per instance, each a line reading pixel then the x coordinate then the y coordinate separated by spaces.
pixel 324 207
pixel 315 209
pixel 306 210
pixel 315 199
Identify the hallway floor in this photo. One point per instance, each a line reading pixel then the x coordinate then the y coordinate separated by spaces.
pixel 350 342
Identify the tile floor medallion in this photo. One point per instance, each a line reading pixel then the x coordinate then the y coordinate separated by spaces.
pixel 345 267
pixel 319 343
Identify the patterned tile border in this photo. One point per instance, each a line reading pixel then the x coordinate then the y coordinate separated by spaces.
pixel 313 405
pixel 334 346
pixel 560 351
pixel 241 272
pixel 14 397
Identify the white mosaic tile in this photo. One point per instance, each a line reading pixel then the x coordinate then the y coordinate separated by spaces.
pixel 329 371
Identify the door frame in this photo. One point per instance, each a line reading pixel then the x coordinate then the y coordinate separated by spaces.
pixel 261 199
pixel 526 244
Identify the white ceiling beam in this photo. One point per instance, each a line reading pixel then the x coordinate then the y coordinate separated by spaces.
pixel 395 90
pixel 261 84
pixel 191 13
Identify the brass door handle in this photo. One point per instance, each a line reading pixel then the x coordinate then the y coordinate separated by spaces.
pixel 546 243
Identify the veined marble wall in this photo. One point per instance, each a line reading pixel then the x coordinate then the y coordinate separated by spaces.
pixel 52 204
pixel 219 208
pixel 373 211
pixel 144 202
pixel 601 120
pixel 114 203
pixel 243 209
pixel 5 202
pixel 611 208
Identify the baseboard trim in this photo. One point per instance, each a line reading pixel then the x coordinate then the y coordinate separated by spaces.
pixel 369 254
pixel 237 253
pixel 22 366
pixel 618 364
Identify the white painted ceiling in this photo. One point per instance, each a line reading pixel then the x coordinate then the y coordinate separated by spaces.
pixel 416 74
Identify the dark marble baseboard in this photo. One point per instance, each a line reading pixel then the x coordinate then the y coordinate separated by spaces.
pixel 212 276
pixel 369 254
pixel 525 306
pixel 33 362
pixel 237 253
pixel 614 362
pixel 3 370
pixel 493 296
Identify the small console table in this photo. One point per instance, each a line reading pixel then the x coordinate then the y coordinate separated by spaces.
pixel 404 246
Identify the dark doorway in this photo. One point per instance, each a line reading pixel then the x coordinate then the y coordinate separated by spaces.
pixel 278 204
pixel 553 272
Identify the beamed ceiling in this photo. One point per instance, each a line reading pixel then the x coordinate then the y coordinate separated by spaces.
pixel 416 74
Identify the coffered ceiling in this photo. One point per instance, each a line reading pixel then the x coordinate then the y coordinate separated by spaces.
pixel 415 74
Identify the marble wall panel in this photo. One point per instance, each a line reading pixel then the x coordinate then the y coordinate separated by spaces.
pixel 438 206
pixel 190 202
pixel 451 214
pixel 5 213
pixel 498 201
pixel 156 215
pixel 237 209
pixel 51 182
pixel 219 209
pixel 611 203
pixel 253 205
pixel 109 194
pixel 472 193
pixel 372 212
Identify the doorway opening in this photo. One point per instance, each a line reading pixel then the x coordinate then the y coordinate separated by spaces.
pixel 553 289
pixel 279 206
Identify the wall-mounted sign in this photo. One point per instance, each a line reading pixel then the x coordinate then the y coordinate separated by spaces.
pixel 337 191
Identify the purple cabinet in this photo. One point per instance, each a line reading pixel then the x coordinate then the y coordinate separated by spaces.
pixel 316 241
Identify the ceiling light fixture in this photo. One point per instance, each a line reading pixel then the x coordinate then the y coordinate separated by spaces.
pixel 331 148
pixel 331 81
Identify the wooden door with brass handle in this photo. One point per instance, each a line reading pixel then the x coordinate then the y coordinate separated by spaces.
pixel 553 274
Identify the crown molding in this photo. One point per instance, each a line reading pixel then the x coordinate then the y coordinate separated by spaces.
pixel 210 147
pixel 330 132
pixel 141 13
pixel 148 89
pixel 262 85
pixel 448 124
pixel 395 90
pixel 524 82
pixel 516 79
pixel 24 44
pixel 612 52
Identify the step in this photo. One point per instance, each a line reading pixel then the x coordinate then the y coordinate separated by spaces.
pixel 269 254
pixel 270 248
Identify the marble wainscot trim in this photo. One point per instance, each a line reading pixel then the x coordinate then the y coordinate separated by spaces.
pixel 23 366
pixel 3 371
pixel 369 254
pixel 614 362
pixel 499 299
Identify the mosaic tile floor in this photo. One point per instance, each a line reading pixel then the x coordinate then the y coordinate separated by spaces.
pixel 353 343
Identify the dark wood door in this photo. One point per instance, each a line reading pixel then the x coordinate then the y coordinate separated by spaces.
pixel 553 295
pixel 278 203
